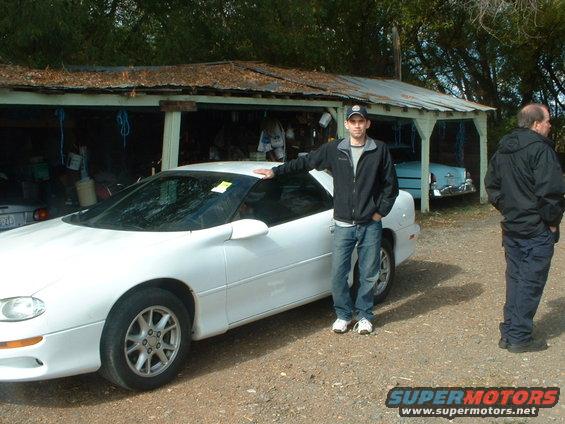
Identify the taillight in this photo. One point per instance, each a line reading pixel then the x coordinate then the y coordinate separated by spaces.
pixel 40 214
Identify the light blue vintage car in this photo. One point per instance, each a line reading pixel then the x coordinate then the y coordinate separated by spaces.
pixel 444 180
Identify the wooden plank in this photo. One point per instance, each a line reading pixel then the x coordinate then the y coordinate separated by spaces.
pixel 11 97
pixel 177 106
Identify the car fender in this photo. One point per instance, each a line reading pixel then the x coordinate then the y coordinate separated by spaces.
pixel 194 263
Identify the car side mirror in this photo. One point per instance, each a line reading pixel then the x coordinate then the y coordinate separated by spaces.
pixel 246 228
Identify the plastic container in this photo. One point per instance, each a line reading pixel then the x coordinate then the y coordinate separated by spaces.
pixel 325 119
pixel 86 192
pixel 74 161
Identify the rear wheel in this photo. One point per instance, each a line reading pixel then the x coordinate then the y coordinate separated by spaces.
pixel 145 340
pixel 386 275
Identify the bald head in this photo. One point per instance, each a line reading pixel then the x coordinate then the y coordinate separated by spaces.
pixel 535 116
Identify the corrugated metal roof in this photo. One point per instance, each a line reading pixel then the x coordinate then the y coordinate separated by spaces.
pixel 241 78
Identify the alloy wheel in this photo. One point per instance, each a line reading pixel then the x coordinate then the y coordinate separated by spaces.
pixel 152 341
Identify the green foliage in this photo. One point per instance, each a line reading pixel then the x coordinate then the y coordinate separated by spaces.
pixel 497 52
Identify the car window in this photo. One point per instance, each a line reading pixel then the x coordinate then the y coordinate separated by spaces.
pixel 171 202
pixel 284 198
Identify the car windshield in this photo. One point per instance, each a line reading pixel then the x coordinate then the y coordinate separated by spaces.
pixel 170 201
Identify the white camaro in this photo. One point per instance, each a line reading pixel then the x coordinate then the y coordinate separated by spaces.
pixel 124 286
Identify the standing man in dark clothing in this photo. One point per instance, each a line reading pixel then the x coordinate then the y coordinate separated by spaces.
pixel 525 183
pixel 365 188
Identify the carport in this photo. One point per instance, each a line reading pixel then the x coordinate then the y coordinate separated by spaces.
pixel 176 90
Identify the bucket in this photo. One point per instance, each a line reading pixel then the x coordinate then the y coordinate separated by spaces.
pixel 86 192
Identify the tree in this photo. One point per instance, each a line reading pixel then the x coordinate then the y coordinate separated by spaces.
pixel 501 53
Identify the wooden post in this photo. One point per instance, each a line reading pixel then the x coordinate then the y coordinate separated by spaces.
pixel 341 131
pixel 171 135
pixel 425 126
pixel 481 125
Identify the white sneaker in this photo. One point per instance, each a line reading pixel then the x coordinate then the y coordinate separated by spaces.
pixel 340 325
pixel 363 326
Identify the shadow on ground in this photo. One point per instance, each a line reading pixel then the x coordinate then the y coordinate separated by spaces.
pixel 420 283
pixel 552 324
pixel 416 280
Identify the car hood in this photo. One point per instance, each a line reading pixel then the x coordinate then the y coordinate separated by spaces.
pixel 413 169
pixel 38 255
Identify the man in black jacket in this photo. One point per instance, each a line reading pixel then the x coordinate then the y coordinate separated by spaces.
pixel 525 183
pixel 365 188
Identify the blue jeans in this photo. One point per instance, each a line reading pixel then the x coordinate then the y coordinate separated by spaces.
pixel 527 265
pixel 368 239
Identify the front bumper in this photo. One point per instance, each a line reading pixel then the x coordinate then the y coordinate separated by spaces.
pixel 61 354
pixel 465 188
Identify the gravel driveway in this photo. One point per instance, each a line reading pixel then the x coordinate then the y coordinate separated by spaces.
pixel 439 327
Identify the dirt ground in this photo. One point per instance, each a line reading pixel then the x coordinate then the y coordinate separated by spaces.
pixel 439 327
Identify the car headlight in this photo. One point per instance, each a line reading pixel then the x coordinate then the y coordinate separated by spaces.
pixel 20 308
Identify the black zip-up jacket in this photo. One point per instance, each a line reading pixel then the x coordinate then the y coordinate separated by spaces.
pixel 374 188
pixel 525 183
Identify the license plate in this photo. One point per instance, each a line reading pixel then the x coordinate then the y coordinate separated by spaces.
pixel 7 221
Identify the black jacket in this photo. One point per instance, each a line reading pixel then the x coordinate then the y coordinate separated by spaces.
pixel 374 188
pixel 525 183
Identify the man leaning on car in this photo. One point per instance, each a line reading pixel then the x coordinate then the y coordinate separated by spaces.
pixel 365 188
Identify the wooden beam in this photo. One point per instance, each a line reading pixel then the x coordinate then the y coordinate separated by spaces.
pixel 171 135
pixel 341 130
pixel 425 126
pixel 177 106
pixel 18 98
pixel 481 125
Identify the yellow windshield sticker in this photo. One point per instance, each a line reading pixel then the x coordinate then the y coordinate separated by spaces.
pixel 222 187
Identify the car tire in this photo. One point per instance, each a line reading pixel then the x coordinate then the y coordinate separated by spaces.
pixel 145 340
pixel 386 276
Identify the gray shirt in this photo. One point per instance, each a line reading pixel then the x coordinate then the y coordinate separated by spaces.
pixel 356 152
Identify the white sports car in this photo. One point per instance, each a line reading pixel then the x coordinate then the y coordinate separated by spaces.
pixel 124 286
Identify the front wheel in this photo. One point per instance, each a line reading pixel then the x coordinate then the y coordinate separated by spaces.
pixel 386 276
pixel 145 340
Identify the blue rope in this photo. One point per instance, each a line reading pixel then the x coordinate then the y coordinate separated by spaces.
pixel 124 125
pixel 460 140
pixel 60 113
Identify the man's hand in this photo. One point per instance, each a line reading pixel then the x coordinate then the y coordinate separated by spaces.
pixel 267 173
pixel 552 229
pixel 377 216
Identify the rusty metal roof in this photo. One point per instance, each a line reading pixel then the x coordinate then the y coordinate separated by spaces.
pixel 233 77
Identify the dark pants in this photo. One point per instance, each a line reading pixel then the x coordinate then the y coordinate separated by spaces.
pixel 527 265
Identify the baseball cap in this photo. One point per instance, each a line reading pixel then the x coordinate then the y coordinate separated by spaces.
pixel 356 110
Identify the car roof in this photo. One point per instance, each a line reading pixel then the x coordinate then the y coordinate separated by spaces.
pixel 239 167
